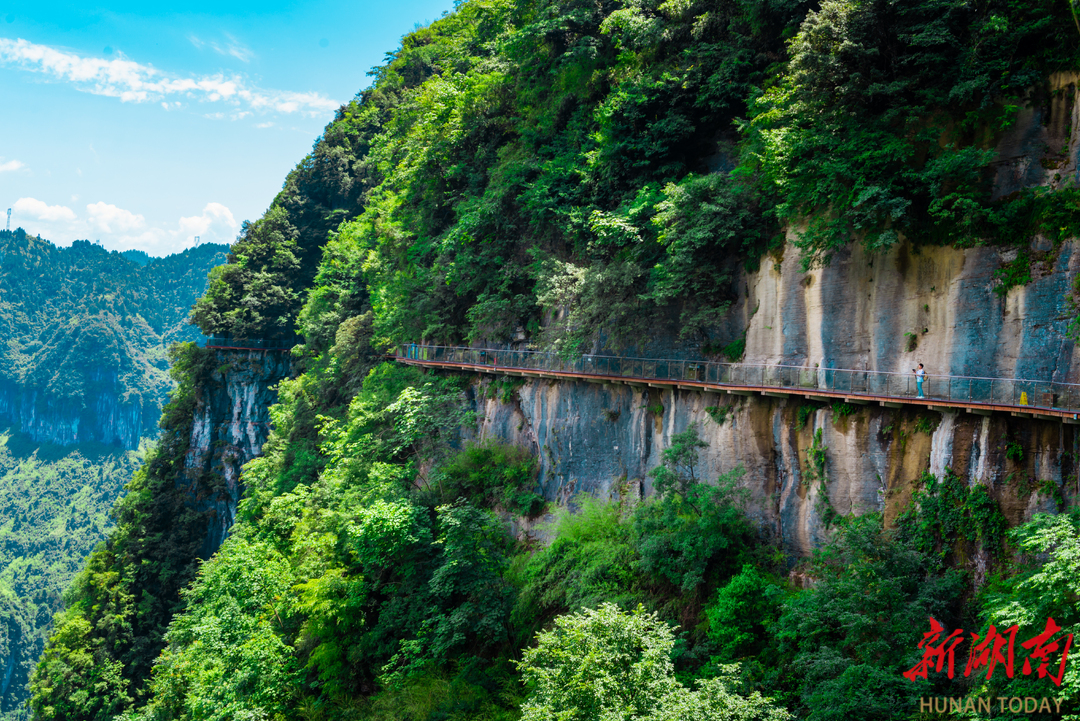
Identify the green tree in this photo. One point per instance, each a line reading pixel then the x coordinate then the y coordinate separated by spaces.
pixel 227 656
pixel 742 616
pixel 1041 584
pixel 692 529
pixel 608 664
pixel 848 639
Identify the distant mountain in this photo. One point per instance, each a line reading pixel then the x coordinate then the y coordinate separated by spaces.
pixel 85 332
pixel 83 376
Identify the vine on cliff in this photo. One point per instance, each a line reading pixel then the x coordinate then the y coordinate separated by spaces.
pixel 947 518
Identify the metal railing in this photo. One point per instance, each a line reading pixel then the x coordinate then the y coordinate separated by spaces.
pixel 250 344
pixel 956 389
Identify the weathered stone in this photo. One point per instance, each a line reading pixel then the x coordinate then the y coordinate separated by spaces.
pixel 231 423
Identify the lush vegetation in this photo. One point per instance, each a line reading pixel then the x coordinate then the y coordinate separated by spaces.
pixel 82 320
pixel 55 508
pixel 618 162
pixel 78 323
pixel 116 610
pixel 373 575
pixel 588 173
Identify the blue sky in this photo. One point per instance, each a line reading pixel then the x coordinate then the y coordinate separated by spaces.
pixel 143 125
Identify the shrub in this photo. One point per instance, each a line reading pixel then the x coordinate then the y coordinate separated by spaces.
pixel 493 474
pixel 608 664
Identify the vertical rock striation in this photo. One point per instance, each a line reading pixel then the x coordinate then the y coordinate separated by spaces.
pixel 231 423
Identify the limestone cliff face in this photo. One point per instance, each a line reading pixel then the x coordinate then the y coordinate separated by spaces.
pixel 232 421
pixel 939 306
pixel 854 314
pixel 859 311
pixel 103 416
pixel 604 439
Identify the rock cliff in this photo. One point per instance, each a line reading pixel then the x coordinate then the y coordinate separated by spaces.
pixel 858 313
pixel 231 423
pixel 937 305
pixel 102 417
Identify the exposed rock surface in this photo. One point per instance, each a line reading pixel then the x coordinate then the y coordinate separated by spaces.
pixel 603 440
pixel 854 314
pixel 101 417
pixel 232 421
pixel 939 306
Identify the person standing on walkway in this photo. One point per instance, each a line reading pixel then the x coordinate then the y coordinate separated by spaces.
pixel 920 376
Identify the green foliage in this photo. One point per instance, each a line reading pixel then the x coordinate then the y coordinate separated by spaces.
pixel 927 424
pixel 82 321
pixel 900 97
pixel 814 473
pixel 504 388
pixel 947 516
pixel 605 663
pixel 469 599
pixel 719 414
pixel 225 656
pixel 703 222
pixel 83 328
pixel 848 639
pixel 579 171
pixel 692 529
pixel 1041 584
pixel 1014 451
pixel 55 508
pixel 1012 274
pixel 742 616
pixel 735 350
pixel 493 475
pixel 842 410
pixel 590 560
pixel 804 413
pixel 98 659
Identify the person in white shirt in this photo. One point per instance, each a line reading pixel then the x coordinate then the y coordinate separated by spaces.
pixel 920 376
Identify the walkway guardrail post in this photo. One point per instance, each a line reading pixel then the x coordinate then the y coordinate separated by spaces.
pixel 1018 392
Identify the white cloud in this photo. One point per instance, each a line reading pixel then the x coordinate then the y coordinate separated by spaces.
pixel 214 214
pixel 121 229
pixel 107 218
pixel 39 210
pixel 134 82
pixel 233 48
pixel 11 165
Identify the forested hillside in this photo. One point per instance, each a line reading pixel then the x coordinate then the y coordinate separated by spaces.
pixel 56 504
pixel 85 330
pixel 86 336
pixel 592 174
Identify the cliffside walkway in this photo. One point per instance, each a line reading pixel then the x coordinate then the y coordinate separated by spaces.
pixel 981 396
pixel 221 343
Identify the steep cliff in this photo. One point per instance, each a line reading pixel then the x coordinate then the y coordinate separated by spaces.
pixel 951 308
pixel 231 422
pixel 569 175
pixel 604 439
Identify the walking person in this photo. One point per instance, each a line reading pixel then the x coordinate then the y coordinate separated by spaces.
pixel 920 376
